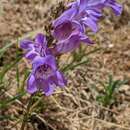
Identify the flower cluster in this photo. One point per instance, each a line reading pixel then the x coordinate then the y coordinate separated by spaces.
pixel 45 76
pixel 69 30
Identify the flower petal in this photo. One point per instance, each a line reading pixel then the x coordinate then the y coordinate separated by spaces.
pixel 117 8
pixel 95 3
pixel 68 14
pixel 63 30
pixel 90 23
pixel 39 61
pixel 51 89
pixel 40 40
pixel 85 39
pixel 50 60
pixel 45 86
pixel 31 55
pixel 31 85
pixel 26 44
pixel 67 28
pixel 94 14
pixel 61 79
pixel 82 5
pixel 68 45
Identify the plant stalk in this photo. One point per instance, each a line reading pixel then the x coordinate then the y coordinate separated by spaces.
pixel 25 118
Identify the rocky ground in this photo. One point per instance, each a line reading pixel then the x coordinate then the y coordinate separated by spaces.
pixel 74 108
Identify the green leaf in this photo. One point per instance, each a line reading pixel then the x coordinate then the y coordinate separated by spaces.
pixel 6 117
pixel 7 102
pixel 110 88
pixel 26 74
pixel 8 67
pixel 4 49
pixel 73 66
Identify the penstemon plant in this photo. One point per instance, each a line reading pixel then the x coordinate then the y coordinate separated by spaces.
pixel 69 31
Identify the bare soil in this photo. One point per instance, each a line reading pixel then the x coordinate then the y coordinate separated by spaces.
pixel 74 108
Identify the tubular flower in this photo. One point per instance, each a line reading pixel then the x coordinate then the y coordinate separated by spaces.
pixel 80 15
pixel 71 43
pixel 45 76
pixel 38 47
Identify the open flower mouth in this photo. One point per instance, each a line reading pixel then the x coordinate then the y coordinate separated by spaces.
pixel 43 71
pixel 66 29
pixel 63 30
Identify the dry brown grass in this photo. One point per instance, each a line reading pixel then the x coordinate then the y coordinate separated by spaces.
pixel 75 107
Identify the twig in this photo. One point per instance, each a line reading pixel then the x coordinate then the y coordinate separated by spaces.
pixel 105 108
pixel 112 124
pixel 20 103
pixel 15 124
pixel 104 122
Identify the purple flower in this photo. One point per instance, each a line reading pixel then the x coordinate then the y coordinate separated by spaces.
pixel 83 12
pixel 45 76
pixel 71 43
pixel 66 29
pixel 69 28
pixel 38 47
pixel 71 25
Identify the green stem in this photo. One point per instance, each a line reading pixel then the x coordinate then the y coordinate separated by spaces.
pixel 25 118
